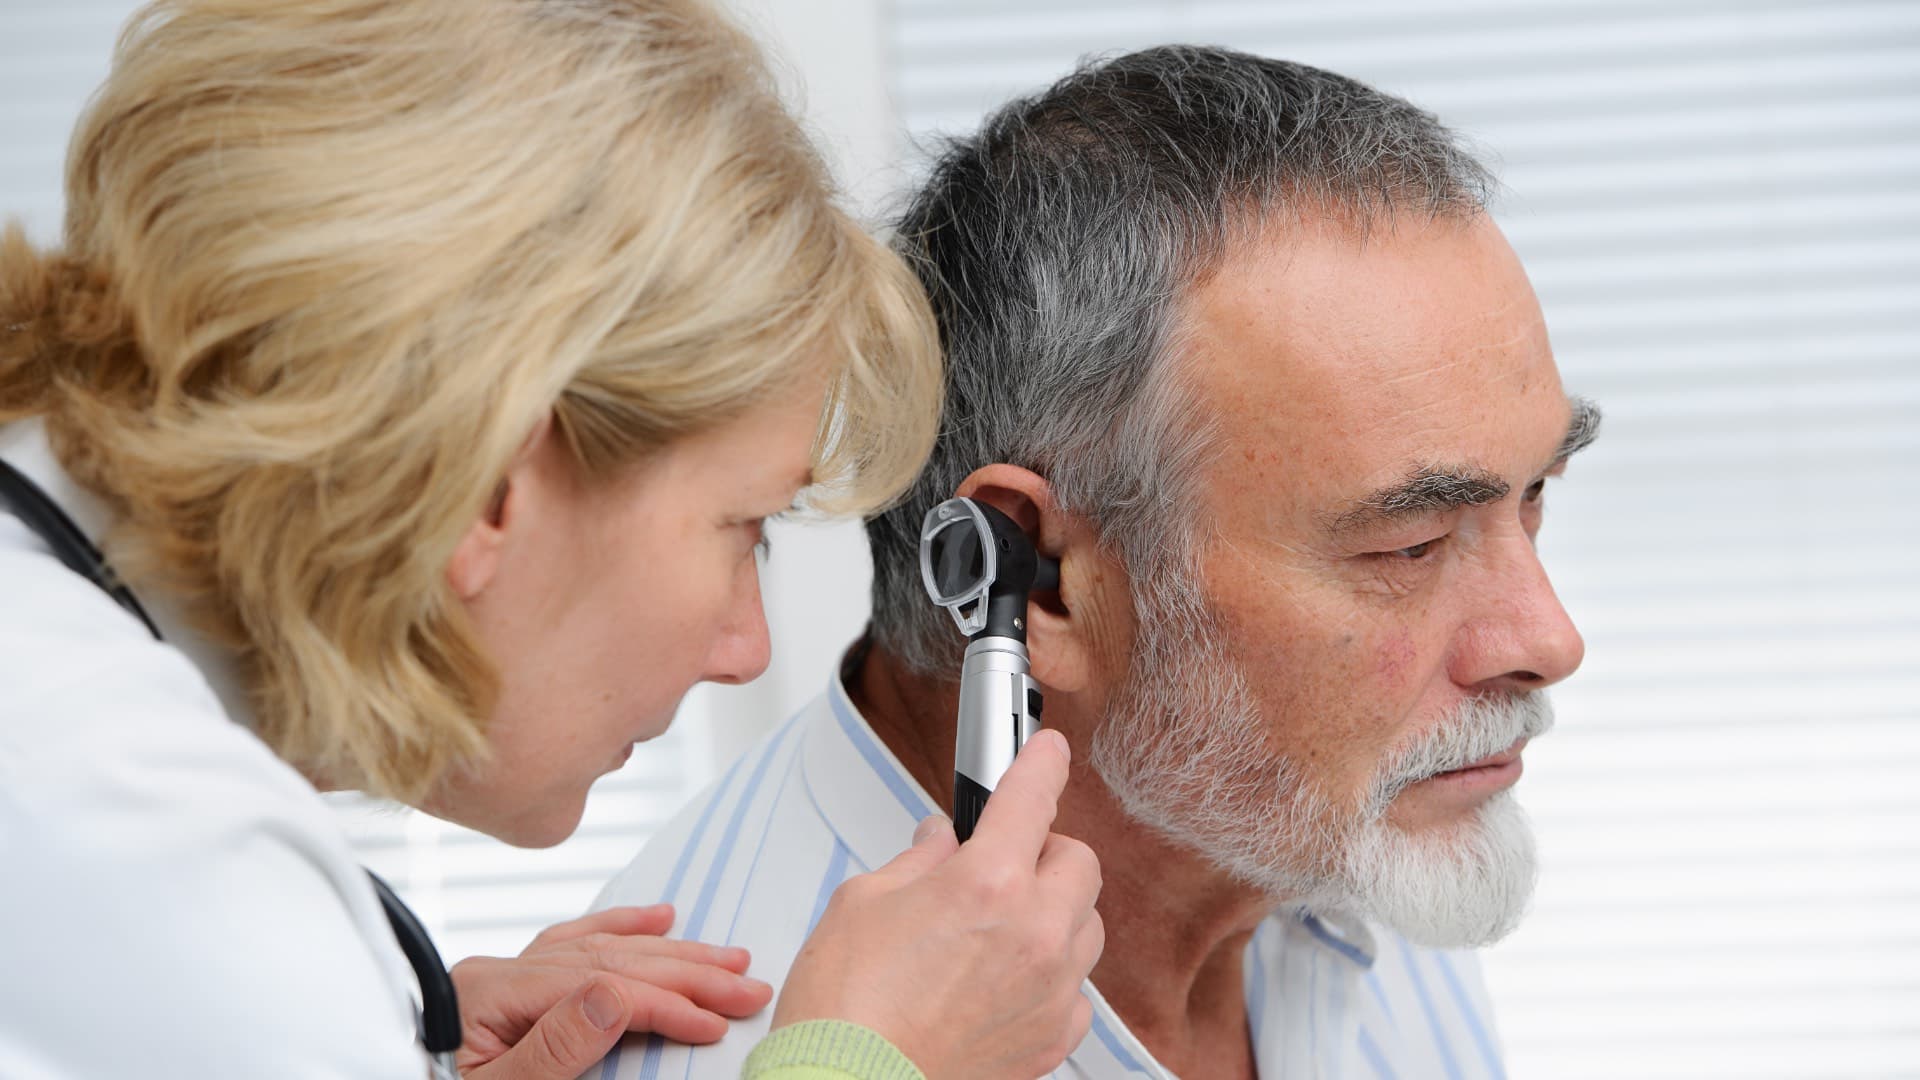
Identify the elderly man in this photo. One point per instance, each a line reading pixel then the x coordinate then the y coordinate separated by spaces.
pixel 1235 341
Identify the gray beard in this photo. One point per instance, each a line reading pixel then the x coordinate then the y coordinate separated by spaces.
pixel 1183 749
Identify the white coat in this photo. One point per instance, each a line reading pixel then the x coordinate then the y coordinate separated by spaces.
pixel 174 899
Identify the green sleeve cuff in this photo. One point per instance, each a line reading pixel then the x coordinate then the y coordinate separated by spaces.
pixel 827 1050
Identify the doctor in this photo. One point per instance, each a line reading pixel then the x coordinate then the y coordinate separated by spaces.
pixel 428 369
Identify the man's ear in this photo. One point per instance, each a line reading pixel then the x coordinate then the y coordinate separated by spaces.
pixel 478 556
pixel 1061 631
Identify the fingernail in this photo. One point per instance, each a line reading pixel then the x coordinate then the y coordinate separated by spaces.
pixel 927 827
pixel 756 984
pixel 602 1007
pixel 727 953
pixel 1066 748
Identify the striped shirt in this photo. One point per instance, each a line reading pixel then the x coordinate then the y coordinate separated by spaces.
pixel 755 858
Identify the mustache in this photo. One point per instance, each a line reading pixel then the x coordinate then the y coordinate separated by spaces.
pixel 1479 728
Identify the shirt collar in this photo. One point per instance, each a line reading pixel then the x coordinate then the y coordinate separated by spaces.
pixel 866 796
pixel 24 445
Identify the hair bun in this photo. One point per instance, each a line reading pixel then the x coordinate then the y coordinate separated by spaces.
pixel 56 314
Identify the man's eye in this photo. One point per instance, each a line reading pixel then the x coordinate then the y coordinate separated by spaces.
pixel 1414 553
pixel 1534 491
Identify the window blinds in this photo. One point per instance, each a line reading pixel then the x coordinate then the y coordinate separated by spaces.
pixel 1719 203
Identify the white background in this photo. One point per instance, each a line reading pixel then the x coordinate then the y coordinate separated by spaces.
pixel 1720 205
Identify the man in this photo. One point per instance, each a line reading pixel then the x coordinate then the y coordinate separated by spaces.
pixel 1235 341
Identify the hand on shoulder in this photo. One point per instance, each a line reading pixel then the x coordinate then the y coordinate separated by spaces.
pixel 556 1009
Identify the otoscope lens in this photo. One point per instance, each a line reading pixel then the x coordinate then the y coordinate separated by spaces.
pixel 957 563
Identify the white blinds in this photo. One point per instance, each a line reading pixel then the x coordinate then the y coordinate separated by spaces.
pixel 1720 205
pixel 51 58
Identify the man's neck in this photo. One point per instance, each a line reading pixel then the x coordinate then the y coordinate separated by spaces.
pixel 1176 926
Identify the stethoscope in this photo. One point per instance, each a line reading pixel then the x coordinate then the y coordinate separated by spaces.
pixel 439 1009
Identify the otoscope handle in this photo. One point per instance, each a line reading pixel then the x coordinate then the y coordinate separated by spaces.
pixel 969 802
pixel 1000 709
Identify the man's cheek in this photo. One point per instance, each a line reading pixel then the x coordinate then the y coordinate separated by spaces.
pixel 1393 658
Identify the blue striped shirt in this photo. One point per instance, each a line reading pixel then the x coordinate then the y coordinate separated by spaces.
pixel 755 858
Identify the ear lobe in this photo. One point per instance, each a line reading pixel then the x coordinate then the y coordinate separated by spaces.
pixel 477 557
pixel 1057 645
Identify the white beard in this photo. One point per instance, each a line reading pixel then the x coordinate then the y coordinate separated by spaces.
pixel 1184 750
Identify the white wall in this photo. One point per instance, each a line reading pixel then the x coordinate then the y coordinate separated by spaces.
pixel 831 59
pixel 51 58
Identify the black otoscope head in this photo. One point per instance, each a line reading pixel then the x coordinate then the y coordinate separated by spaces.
pixel 976 562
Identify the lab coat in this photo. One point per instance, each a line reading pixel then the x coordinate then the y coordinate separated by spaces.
pixel 174 899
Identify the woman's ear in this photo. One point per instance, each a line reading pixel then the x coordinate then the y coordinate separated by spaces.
pixel 1061 626
pixel 476 559
pixel 478 556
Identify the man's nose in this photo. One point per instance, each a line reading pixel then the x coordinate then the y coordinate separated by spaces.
pixel 1519 637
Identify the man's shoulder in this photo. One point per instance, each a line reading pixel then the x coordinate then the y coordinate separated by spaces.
pixel 730 825
pixel 749 862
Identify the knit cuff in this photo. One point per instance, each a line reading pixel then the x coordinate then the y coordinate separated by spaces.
pixel 828 1049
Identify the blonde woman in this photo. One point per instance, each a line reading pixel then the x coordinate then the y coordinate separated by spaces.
pixel 426 370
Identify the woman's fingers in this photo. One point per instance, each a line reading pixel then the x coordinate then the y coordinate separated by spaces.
pixel 561 1003
pixel 584 1023
pixel 565 1040
pixel 993 941
pixel 714 989
pixel 1015 824
pixel 1078 1025
pixel 1089 941
pixel 652 919
pixel 613 952
pixel 1069 872
pixel 670 1015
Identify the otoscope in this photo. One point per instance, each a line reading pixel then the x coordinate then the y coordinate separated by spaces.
pixel 976 563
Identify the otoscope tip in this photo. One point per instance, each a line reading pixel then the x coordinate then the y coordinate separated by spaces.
pixel 1046 574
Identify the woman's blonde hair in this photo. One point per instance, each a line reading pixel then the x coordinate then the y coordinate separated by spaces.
pixel 327 263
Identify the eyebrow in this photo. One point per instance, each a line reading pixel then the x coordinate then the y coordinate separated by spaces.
pixel 1425 492
pixel 1432 490
pixel 1582 429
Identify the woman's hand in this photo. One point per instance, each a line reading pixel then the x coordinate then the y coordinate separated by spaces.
pixel 565 1001
pixel 969 960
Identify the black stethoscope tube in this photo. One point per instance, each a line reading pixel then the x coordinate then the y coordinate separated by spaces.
pixel 44 517
pixel 440 1006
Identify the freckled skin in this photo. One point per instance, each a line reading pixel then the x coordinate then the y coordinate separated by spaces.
pixel 1394 656
pixel 1329 392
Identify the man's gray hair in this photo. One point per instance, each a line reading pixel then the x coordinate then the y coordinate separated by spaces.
pixel 1056 245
